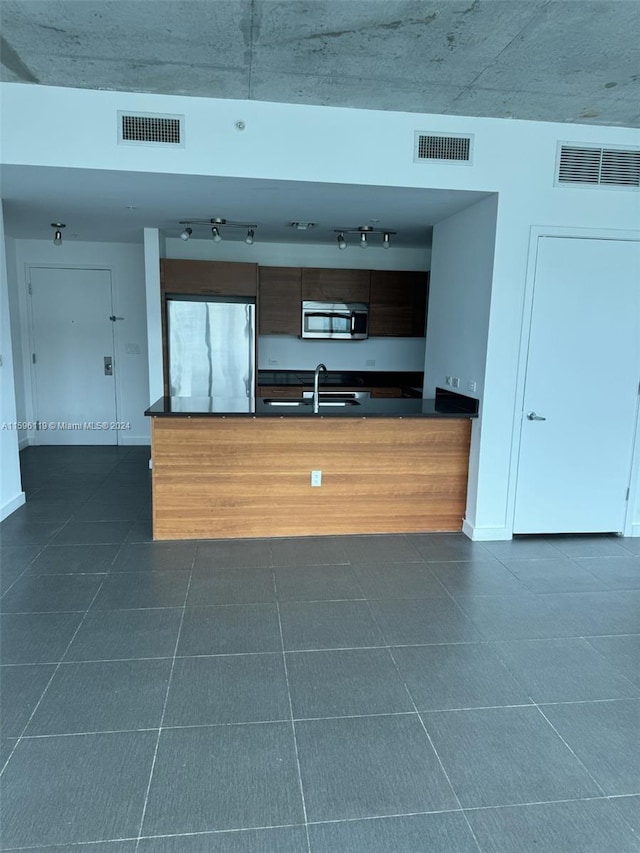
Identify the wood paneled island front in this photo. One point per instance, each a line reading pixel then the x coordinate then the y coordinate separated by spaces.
pixel 387 466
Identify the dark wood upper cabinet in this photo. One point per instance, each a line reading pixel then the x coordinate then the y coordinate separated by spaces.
pixel 398 303
pixel 279 301
pixel 208 278
pixel 330 285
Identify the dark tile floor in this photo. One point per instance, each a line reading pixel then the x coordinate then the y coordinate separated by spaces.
pixel 364 694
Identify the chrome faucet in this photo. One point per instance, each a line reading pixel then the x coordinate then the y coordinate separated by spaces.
pixel 316 392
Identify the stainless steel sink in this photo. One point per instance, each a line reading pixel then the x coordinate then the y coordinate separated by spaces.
pixel 292 402
pixel 296 402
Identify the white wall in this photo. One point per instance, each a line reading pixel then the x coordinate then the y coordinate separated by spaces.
pixel 16 337
pixel 515 159
pixel 300 254
pixel 152 252
pixel 11 494
pixel 458 319
pixel 126 263
pixel 460 296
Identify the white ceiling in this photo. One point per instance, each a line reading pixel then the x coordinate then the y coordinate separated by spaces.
pixel 545 60
pixel 116 206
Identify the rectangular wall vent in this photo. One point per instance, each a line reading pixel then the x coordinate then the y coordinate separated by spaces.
pixel 442 147
pixel 150 129
pixel 604 167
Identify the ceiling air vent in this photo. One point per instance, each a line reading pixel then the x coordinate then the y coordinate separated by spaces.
pixel 150 129
pixel 442 147
pixel 604 167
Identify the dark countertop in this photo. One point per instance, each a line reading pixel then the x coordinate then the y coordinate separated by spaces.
pixel 446 404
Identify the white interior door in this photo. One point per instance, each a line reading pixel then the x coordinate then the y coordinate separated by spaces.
pixel 74 395
pixel 582 376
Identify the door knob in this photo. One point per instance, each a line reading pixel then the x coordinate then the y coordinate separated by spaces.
pixel 108 365
pixel 533 417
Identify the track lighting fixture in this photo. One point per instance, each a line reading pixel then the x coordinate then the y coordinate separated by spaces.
pixel 57 237
pixel 365 232
pixel 217 225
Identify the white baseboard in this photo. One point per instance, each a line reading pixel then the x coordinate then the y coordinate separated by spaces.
pixel 635 530
pixel 12 505
pixel 24 442
pixel 486 534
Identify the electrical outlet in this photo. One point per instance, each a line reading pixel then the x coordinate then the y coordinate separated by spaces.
pixel 471 386
pixel 316 478
pixel 370 362
pixel 449 380
pixel 455 381
pixel 273 362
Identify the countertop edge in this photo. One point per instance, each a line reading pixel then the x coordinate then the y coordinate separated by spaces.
pixel 445 405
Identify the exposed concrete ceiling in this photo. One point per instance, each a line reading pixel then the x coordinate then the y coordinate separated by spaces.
pixel 545 60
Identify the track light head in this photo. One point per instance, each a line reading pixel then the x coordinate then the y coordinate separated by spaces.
pixel 249 238
pixel 385 240
pixel 186 233
pixel 215 233
pixel 363 240
pixel 342 243
pixel 57 237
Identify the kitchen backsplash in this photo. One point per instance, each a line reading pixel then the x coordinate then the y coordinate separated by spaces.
pixel 280 352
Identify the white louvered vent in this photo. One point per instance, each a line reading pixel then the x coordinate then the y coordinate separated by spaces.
pixel 150 129
pixel 452 147
pixel 604 167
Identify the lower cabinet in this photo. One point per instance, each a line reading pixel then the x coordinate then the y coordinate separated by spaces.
pixel 279 391
pixel 392 393
pixel 237 477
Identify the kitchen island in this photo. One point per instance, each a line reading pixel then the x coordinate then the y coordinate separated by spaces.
pixel 238 468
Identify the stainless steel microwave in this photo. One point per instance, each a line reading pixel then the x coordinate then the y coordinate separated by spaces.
pixel 335 320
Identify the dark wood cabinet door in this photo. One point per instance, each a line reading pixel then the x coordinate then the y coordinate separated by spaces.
pixel 279 301
pixel 383 393
pixel 279 391
pixel 330 285
pixel 398 303
pixel 208 278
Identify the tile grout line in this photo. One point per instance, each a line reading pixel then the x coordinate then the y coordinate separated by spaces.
pixel 53 674
pixel 164 709
pixel 424 728
pixel 577 758
pixel 293 725
pixel 26 568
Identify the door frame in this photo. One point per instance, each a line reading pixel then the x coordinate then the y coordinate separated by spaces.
pixel 29 340
pixel 535 233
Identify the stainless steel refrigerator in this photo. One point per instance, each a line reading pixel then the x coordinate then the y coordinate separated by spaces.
pixel 212 348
